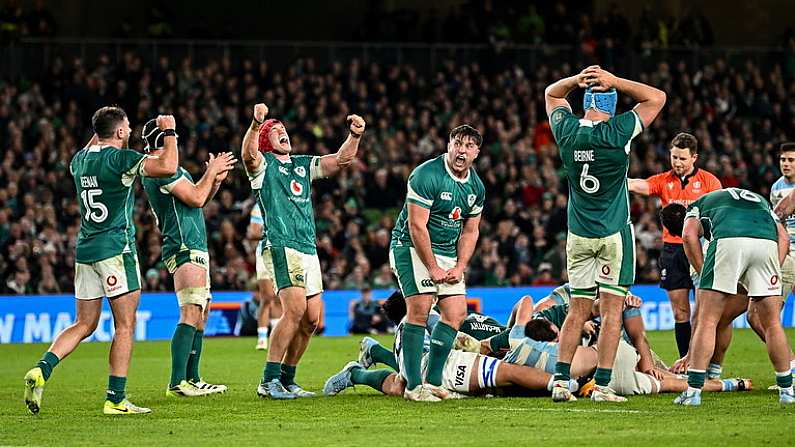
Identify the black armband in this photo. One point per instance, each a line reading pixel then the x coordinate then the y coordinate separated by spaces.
pixel 170 133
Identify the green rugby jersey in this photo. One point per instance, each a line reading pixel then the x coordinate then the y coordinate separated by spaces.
pixel 734 212
pixel 555 314
pixel 432 185
pixel 181 226
pixel 103 178
pixel 480 326
pixel 595 156
pixel 284 194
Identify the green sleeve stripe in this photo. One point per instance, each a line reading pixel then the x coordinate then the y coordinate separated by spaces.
pixel 418 203
pixel 412 195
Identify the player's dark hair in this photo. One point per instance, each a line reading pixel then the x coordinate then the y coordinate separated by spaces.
pixel 106 120
pixel 465 130
pixel 684 140
pixel 395 307
pixel 786 147
pixel 673 218
pixel 540 330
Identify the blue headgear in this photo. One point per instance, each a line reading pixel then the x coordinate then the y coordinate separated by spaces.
pixel 601 101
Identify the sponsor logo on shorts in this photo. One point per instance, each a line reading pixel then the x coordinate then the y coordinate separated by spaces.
pixel 111 280
pixel 299 277
pixel 426 283
pixel 301 171
pixel 774 280
pixel 446 195
pixel 460 373
pixel 456 213
pixel 605 269
pixel 663 274
pixel 296 188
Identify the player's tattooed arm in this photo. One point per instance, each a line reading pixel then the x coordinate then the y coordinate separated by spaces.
pixel 691 242
pixel 466 247
pixel 638 186
pixel 250 149
pixel 332 163
pixel 418 229
pixel 166 164
pixel 556 93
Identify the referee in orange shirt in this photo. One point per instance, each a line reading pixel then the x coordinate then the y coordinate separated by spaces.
pixel 683 184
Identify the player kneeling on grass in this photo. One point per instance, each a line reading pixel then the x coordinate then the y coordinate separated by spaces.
pixel 106 261
pixel 177 205
pixel 464 373
pixel 747 245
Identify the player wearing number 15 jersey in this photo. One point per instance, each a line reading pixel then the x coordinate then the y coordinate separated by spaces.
pixel 600 250
pixel 106 260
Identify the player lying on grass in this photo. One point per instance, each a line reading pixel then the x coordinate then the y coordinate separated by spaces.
pixel 637 369
pixel 177 204
pixel 464 372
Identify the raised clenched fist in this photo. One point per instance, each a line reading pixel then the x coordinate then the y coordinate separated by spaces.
pixel 356 124
pixel 260 112
pixel 165 122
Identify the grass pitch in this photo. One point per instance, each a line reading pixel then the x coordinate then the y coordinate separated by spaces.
pixel 72 408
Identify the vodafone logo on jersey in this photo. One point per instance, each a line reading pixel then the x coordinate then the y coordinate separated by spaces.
pixel 456 213
pixel 296 188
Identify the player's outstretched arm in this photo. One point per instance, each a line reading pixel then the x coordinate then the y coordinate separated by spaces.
pixel 418 229
pixel 198 195
pixel 691 234
pixel 638 186
pixel 466 247
pixel 332 163
pixel 166 164
pixel 555 94
pixel 250 150
pixel 650 100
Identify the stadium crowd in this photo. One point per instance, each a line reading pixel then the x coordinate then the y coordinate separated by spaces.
pixel 739 112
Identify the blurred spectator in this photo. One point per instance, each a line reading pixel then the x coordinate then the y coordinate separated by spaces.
pixel 366 316
pixel 740 111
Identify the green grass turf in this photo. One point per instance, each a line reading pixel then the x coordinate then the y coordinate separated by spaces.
pixel 72 407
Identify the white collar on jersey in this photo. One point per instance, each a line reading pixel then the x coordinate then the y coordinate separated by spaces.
pixel 95 148
pixel 451 173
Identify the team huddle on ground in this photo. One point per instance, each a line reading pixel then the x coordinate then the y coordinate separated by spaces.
pixel 586 339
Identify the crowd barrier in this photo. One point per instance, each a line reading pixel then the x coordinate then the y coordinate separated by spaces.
pixel 39 318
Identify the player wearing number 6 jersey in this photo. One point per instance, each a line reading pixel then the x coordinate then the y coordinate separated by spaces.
pixel 106 260
pixel 600 250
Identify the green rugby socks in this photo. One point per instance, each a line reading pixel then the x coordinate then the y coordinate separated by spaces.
pixel 181 346
pixel 47 363
pixel 374 379
pixel 288 374
pixel 116 386
pixel 384 356
pixel 195 356
pixel 442 339
pixel 412 339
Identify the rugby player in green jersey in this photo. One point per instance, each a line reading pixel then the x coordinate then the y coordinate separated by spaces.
pixel 177 205
pixel 600 249
pixel 282 186
pixel 432 242
pixel 106 262
pixel 747 246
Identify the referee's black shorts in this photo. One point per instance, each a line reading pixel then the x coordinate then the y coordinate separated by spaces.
pixel 674 268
